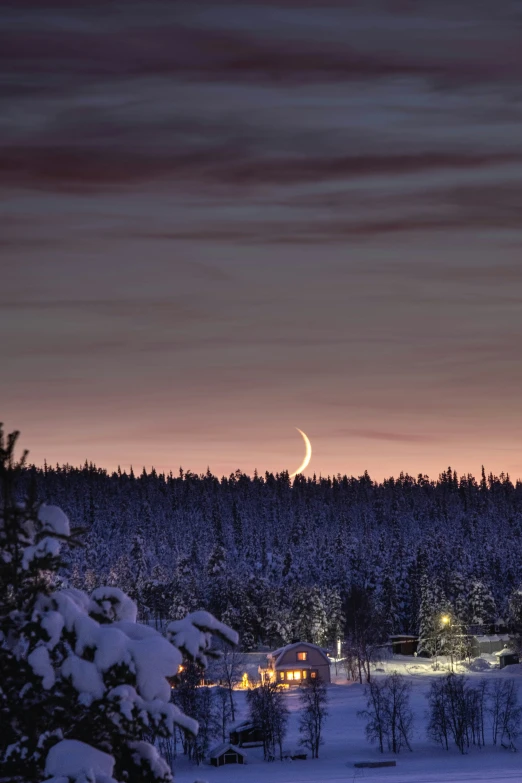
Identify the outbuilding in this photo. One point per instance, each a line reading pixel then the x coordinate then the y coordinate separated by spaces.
pixel 507 657
pixel 247 734
pixel 489 644
pixel 404 644
pixel 227 754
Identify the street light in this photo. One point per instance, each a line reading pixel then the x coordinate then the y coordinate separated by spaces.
pixel 445 621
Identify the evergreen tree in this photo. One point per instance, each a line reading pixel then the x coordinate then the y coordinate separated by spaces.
pixel 482 609
pixel 78 672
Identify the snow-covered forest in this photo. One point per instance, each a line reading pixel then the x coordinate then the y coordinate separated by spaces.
pixel 278 559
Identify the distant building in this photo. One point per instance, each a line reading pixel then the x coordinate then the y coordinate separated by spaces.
pixel 247 735
pixel 507 657
pixel 404 644
pixel 481 644
pixel 296 663
pixel 227 754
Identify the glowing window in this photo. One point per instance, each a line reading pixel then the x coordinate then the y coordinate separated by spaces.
pixel 289 675
pixel 281 675
pixel 313 675
pixel 305 675
pixel 302 656
pixel 297 675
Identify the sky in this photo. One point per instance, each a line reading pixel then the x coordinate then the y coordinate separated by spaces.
pixel 221 221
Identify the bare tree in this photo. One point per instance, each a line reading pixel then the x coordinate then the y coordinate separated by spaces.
pixel 269 711
pixel 228 670
pixel 400 717
pixel 457 712
pixel 505 713
pixel 223 710
pixel 438 728
pixel 366 631
pixel 388 713
pixel 313 697
pixel 375 713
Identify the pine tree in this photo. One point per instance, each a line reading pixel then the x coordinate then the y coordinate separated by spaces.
pixel 78 672
pixel 482 609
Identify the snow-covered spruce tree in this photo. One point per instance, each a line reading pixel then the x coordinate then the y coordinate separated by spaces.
pixel 431 609
pixel 82 683
pixel 482 611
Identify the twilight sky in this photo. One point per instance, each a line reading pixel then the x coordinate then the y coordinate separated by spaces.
pixel 220 221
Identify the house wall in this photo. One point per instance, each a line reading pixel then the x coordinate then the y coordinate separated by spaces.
pixel 315 661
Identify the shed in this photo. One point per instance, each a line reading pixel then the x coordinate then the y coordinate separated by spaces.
pixel 507 657
pixel 247 734
pixel 404 644
pixel 227 754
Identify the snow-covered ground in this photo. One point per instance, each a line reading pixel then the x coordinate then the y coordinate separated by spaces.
pixel 345 742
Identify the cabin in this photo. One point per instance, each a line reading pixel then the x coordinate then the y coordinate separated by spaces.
pixel 226 753
pixel 404 644
pixel 247 735
pixel 296 663
pixel 507 657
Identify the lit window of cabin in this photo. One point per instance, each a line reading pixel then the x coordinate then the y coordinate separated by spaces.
pixel 302 656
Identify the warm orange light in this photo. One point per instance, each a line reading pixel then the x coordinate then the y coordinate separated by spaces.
pixel 445 619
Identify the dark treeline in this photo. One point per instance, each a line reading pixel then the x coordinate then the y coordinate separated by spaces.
pixel 281 559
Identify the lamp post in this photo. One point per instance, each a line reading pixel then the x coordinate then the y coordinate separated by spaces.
pixel 445 621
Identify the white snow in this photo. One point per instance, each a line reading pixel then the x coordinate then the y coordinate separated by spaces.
pixel 85 677
pixel 143 751
pixel 345 741
pixel 54 520
pixel 40 663
pixel 155 659
pixel 114 604
pixel 47 546
pixel 71 758
pixel 193 634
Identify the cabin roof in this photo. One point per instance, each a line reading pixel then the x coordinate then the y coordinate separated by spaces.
pixel 276 655
pixel 218 751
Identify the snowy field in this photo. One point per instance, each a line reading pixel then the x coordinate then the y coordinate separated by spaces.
pixel 345 742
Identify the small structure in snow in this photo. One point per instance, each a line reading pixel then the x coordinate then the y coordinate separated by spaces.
pixel 296 663
pixel 404 644
pixel 487 643
pixel 247 735
pixel 507 657
pixel 227 754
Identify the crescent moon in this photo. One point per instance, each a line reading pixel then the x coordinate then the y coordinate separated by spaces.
pixel 308 455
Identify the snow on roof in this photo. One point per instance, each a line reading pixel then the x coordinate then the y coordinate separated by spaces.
pixel 505 651
pixel 220 749
pixel 244 726
pixel 277 653
pixel 492 638
pixel 403 636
